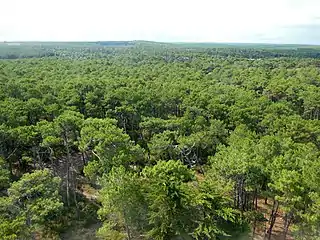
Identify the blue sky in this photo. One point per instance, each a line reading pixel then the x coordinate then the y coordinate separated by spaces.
pixel 270 21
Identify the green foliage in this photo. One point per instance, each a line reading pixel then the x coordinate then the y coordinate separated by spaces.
pixel 242 121
pixel 109 146
pixel 123 205
pixel 215 214
pixel 32 203
pixel 169 199
pixel 165 202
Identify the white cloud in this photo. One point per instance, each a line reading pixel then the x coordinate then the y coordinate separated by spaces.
pixel 165 20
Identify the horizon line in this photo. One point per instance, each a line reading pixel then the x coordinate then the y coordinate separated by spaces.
pixel 163 42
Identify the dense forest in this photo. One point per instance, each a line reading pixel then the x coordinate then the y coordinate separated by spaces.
pixel 143 140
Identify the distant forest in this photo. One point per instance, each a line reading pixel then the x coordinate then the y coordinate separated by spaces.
pixel 100 49
pixel 144 140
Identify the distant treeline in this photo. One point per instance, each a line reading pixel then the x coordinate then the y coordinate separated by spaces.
pixel 103 49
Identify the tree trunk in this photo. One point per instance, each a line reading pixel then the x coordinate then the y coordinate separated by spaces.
pixel 11 169
pixel 235 197
pixel 255 200
pixel 39 160
pixel 288 220
pixel 245 201
pixel 83 158
pixel 34 158
pixel 74 185
pixel 51 158
pixel 123 122
pixel 7 158
pixel 127 227
pixel 241 193
pixel 273 218
pixel 68 170
pixel 128 232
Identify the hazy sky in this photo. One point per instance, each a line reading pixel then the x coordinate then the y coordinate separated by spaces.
pixel 275 21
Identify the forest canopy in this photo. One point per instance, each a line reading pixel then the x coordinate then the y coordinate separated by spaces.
pixel 144 140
